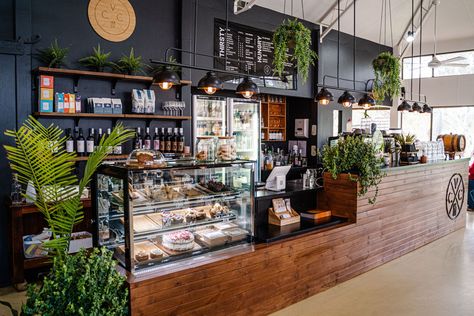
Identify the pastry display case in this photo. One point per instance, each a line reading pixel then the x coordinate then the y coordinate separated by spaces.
pixel 149 216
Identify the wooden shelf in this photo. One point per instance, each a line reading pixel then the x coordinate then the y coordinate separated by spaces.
pixel 112 157
pixel 113 116
pixel 99 75
pixel 34 263
pixel 267 118
pixel 29 208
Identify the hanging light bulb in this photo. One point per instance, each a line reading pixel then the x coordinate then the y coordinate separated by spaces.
pixel 167 78
pixel 324 96
pixel 247 88
pixel 366 102
pixel 404 107
pixel 410 36
pixel 417 108
pixel 346 99
pixel 210 83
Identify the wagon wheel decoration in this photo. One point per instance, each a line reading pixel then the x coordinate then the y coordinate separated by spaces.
pixel 455 196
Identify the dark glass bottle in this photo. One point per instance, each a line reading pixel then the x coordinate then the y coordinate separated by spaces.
pixel 168 140
pixel 162 140
pixel 147 138
pixel 81 144
pixel 181 141
pixel 69 141
pixel 174 141
pixel 138 143
pixel 90 142
pixel 156 140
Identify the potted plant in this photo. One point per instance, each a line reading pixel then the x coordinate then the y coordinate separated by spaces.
pixel 130 64
pixel 387 76
pixel 76 285
pixel 52 56
pixel 292 34
pixel 356 161
pixel 98 61
pixel 406 142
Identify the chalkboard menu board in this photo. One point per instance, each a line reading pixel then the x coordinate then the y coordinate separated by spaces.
pixel 252 47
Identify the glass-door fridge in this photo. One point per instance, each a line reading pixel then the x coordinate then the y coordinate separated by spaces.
pixel 209 116
pixel 244 125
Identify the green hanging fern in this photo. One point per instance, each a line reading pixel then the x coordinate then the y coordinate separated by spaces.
pixel 387 76
pixel 40 157
pixel 288 33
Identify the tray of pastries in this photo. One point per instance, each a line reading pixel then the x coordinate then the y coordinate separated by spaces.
pixel 145 252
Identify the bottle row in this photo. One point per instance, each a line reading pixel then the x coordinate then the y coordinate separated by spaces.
pixel 272 159
pixel 167 141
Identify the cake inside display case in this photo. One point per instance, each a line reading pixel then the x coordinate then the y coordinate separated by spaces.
pixel 172 213
pixel 146 158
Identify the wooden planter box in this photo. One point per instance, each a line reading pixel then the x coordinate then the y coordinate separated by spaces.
pixel 341 195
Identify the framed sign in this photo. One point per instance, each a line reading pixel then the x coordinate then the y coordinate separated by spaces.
pixel 113 20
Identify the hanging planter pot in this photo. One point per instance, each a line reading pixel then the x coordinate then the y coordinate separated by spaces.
pixel 292 34
pixel 387 76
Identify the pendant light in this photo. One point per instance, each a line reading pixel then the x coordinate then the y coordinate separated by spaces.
pixel 416 108
pixel 210 83
pixel 366 101
pixel 324 96
pixel 427 109
pixel 247 88
pixel 167 79
pixel 346 99
pixel 404 107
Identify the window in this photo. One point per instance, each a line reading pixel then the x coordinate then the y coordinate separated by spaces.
pixel 456 120
pixel 427 72
pixel 379 117
pixel 418 124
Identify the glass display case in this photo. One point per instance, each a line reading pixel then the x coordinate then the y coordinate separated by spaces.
pixel 152 216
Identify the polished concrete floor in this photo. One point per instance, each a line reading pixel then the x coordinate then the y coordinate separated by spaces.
pixel 437 279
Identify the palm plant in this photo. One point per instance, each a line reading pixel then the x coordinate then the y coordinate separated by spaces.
pixel 98 61
pixel 130 64
pixel 53 56
pixel 40 157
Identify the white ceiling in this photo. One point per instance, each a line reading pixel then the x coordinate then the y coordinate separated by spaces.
pixel 455 19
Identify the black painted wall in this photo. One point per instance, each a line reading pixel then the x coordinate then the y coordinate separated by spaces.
pixel 160 24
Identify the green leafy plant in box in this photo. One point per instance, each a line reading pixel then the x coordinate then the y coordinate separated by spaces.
pixel 82 284
pixel 53 56
pixel 387 76
pixel 356 157
pixel 293 34
pixel 98 61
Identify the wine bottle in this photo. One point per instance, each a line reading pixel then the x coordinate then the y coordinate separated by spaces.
pixel 98 138
pixel 168 141
pixel 69 141
pixel 80 144
pixel 138 139
pixel 110 149
pixel 147 138
pixel 162 140
pixel 156 140
pixel 90 142
pixel 174 141
pixel 181 141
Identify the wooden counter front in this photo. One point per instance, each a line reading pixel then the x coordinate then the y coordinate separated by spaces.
pixel 410 212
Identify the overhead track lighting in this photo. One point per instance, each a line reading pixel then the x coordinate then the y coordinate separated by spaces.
pixel 247 88
pixel 416 108
pixel 427 109
pixel 167 78
pixel 210 83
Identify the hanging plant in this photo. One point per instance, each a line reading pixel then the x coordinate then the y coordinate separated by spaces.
pixel 387 76
pixel 293 34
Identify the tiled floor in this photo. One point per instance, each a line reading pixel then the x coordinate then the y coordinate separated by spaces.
pixel 437 279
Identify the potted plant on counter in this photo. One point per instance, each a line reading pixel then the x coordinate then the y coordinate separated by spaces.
pixel 354 160
pixel 387 76
pixel 292 34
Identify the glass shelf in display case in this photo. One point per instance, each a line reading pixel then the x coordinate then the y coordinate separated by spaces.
pixel 152 216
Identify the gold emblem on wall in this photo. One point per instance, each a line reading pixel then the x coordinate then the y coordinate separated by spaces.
pixel 113 20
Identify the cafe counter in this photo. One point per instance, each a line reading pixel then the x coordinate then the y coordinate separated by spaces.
pixel 416 205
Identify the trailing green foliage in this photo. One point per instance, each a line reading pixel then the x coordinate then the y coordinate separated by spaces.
pixel 40 157
pixel 387 76
pixel 98 61
pixel 52 56
pixel 354 155
pixel 130 64
pixel 289 33
pixel 82 284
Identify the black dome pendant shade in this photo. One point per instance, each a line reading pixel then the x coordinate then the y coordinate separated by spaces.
pixel 416 108
pixel 366 101
pixel 324 96
pixel 247 88
pixel 427 109
pixel 210 83
pixel 167 78
pixel 404 107
pixel 346 99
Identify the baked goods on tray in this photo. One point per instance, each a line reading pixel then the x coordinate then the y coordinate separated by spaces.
pixel 178 241
pixel 218 210
pixel 211 237
pixel 216 186
pixel 145 251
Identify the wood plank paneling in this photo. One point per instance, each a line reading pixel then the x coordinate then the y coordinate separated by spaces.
pixel 409 213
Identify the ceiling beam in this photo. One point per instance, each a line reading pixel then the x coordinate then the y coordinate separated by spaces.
pixel 324 33
pixel 403 49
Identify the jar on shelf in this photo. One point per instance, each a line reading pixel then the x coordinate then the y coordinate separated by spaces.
pixel 226 148
pixel 205 148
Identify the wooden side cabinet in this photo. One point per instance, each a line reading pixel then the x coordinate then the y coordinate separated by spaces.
pixel 26 219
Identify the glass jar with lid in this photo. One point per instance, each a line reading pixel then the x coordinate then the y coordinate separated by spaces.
pixel 226 148
pixel 205 148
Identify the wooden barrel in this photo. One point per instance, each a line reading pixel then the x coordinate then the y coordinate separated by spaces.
pixel 453 142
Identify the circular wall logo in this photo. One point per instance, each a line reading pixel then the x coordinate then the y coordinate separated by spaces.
pixel 113 20
pixel 455 196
